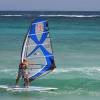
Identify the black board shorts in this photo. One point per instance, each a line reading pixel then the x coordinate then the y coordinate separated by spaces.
pixel 23 73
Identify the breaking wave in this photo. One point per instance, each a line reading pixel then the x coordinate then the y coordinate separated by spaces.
pixel 10 15
pixel 50 15
pixel 70 16
pixel 80 69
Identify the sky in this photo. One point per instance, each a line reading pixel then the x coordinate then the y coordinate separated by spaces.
pixel 50 5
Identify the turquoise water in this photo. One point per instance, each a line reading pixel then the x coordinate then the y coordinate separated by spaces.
pixel 76 46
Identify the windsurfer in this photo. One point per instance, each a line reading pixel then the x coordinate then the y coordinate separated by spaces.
pixel 23 72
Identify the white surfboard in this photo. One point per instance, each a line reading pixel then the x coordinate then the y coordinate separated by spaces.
pixel 23 89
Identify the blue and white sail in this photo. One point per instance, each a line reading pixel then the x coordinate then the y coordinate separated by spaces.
pixel 37 49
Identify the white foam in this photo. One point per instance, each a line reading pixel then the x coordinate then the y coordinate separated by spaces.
pixel 8 71
pixel 11 15
pixel 69 15
pixel 80 69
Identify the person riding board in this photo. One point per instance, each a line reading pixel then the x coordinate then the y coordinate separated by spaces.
pixel 23 72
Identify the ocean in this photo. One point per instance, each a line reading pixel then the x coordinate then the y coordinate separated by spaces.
pixel 76 46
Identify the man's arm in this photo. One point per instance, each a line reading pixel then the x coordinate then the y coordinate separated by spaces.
pixel 31 63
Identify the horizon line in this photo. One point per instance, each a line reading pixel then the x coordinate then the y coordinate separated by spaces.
pixel 54 10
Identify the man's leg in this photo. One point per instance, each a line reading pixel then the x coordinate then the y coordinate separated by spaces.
pixel 26 80
pixel 17 80
pixel 18 77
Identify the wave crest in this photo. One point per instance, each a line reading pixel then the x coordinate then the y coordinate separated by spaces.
pixel 10 15
pixel 69 15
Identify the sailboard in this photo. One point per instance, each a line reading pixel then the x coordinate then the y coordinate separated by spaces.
pixel 23 89
pixel 37 49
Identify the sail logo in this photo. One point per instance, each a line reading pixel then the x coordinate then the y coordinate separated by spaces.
pixel 39 28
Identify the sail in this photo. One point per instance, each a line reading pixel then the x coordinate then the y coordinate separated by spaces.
pixel 37 49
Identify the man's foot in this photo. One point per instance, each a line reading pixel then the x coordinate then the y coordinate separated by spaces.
pixel 17 86
pixel 26 86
